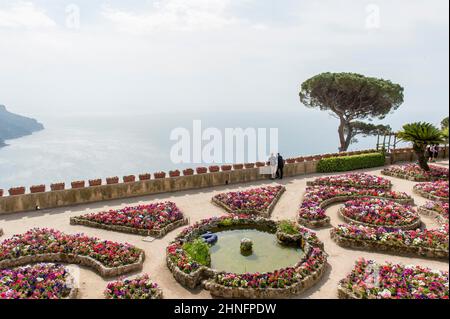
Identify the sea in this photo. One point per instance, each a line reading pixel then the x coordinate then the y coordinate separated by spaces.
pixel 87 146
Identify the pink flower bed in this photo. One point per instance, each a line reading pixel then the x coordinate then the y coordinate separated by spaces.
pixel 148 217
pixel 394 281
pixel 434 189
pixel 43 281
pixel 413 171
pixel 48 241
pixel 439 207
pixel 378 212
pixel 141 287
pixel 357 180
pixel 252 201
pixel 311 209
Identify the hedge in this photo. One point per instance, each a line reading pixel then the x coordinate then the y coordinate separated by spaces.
pixel 349 163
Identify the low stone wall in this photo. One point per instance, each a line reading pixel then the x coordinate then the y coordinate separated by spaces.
pixel 344 293
pixel 431 213
pixel 265 214
pixel 417 224
pixel 429 196
pixel 407 251
pixel 130 230
pixel 74 259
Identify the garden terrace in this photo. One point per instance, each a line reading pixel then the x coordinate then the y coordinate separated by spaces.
pixel 424 243
pixel 318 198
pixel 280 283
pixel 41 281
pixel 375 212
pixel 438 210
pixel 256 201
pixel 368 280
pixel 46 245
pixel 147 220
pixel 413 172
pixel 141 287
pixel 437 190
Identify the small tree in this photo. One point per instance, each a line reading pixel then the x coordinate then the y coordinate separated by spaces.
pixel 421 135
pixel 444 123
pixel 351 98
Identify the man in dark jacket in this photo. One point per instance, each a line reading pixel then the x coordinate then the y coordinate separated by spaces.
pixel 280 166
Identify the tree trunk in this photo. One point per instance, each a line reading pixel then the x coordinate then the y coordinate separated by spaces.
pixel 342 139
pixel 423 161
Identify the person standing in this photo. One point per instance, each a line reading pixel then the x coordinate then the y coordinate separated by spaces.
pixel 435 152
pixel 280 169
pixel 273 162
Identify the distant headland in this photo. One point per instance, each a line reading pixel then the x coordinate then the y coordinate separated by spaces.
pixel 15 126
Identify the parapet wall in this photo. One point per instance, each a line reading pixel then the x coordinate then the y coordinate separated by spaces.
pixel 76 196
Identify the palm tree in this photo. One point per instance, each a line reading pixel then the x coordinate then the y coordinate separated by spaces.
pixel 421 134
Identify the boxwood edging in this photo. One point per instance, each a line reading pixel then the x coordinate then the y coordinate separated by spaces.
pixel 265 213
pixel 130 230
pixel 325 222
pixel 429 196
pixel 74 259
pixel 349 220
pixel 404 250
pixel 206 276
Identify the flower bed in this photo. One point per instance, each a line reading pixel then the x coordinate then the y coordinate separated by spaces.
pixel 258 201
pixel 48 245
pixel 413 172
pixel 318 198
pixel 439 210
pixel 376 212
pixel 141 287
pixel 369 280
pixel 357 180
pixel 147 220
pixel 281 283
pixel 424 243
pixel 42 281
pixel 437 190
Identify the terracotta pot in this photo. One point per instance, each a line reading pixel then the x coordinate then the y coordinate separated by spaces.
pixel 226 168
pixel 214 169
pixel 249 165
pixel 57 186
pixel 160 175
pixel 129 179
pixel 188 172
pixel 145 177
pixel 201 170
pixel 112 180
pixel 95 182
pixel 78 184
pixel 317 158
pixel 290 160
pixel 260 164
pixel 308 159
pixel 1 192
pixel 37 189
pixel 300 159
pixel 16 191
pixel 174 173
pixel 238 166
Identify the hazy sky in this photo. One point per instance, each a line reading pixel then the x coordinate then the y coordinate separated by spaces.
pixel 215 55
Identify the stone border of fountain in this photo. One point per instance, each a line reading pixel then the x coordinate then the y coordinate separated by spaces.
pixel 206 277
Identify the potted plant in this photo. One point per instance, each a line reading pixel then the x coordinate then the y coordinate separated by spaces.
pixel 37 189
pixel 290 160
pixel 95 182
pixel 129 179
pixel 188 172
pixel 175 173
pixel 112 180
pixel 160 175
pixel 260 164
pixel 249 165
pixel 145 177
pixel 300 159
pixel 17 191
pixel 214 169
pixel 77 184
pixel 1 192
pixel 317 157
pixel 226 168
pixel 57 186
pixel 201 170
pixel 238 166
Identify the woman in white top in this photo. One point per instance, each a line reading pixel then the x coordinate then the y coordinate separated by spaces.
pixel 273 161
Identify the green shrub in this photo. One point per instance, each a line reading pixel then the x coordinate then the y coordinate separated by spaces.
pixel 198 250
pixel 288 227
pixel 349 163
pixel 226 222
